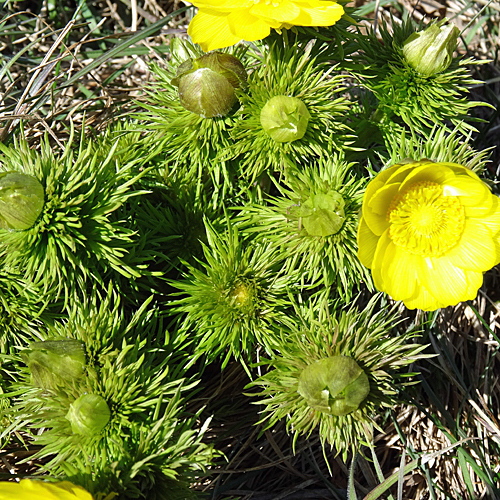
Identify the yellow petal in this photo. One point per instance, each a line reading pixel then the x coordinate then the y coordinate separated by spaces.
pixel 367 244
pixel 378 260
pixel 373 186
pixel 479 211
pixel 223 6
pixel 431 172
pixel 28 489
pixel 250 28
pixel 381 179
pixel 475 280
pixel 447 283
pixel 391 175
pixel 399 272
pixel 492 219
pixel 424 300
pixel 376 207
pixel 211 31
pixel 398 172
pixel 472 193
pixel 476 249
pixel 314 4
pixel 284 11
pixel 319 15
pixel 460 170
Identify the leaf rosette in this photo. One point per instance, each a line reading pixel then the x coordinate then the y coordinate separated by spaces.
pixel 335 370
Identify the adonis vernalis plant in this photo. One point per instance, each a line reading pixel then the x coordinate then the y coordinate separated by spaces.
pixel 191 142
pixel 236 300
pixel 74 235
pixel 334 372
pixel 293 111
pixel 108 393
pixel 314 224
pixel 339 154
pixel 419 85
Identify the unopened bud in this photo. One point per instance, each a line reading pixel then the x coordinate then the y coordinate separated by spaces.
pixel 284 118
pixel 244 297
pixel 55 362
pixel 21 200
pixel 431 51
pixel 322 214
pixel 89 414
pixel 207 84
pixel 335 385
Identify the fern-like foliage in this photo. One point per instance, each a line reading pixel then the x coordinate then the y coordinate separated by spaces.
pixel 147 447
pixel 78 235
pixel 403 94
pixel 324 331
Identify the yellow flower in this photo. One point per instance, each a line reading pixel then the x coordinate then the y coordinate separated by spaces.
pixel 428 232
pixel 40 490
pixel 222 23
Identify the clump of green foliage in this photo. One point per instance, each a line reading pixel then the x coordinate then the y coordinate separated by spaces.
pixel 172 242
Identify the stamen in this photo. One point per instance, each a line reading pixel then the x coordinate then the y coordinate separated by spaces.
pixel 424 222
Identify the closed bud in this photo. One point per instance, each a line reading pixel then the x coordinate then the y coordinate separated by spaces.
pixel 55 362
pixel 21 200
pixel 207 84
pixel 335 385
pixel 431 51
pixel 244 297
pixel 179 50
pixel 284 118
pixel 88 415
pixel 322 214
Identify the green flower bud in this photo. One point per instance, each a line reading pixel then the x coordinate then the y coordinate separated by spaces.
pixel 207 84
pixel 88 415
pixel 335 385
pixel 55 362
pixel 178 50
pixel 321 214
pixel 243 296
pixel 284 118
pixel 21 200
pixel 431 51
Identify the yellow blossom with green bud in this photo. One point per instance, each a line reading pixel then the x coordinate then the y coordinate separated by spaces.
pixel 223 23
pixel 428 232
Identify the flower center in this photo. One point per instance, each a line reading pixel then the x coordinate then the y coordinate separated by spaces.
pixel 424 222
